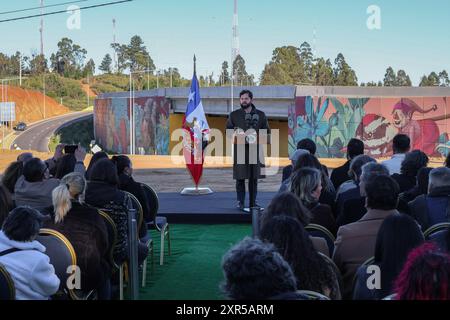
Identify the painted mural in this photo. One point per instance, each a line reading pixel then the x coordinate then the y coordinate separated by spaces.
pixel 332 121
pixel 112 125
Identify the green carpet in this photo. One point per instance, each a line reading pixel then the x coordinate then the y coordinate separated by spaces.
pixel 193 271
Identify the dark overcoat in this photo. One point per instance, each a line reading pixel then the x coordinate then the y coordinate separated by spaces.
pixel 237 120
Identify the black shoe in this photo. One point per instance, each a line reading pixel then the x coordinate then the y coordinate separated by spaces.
pixel 240 206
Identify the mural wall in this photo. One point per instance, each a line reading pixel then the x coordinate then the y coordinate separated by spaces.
pixel 332 121
pixel 112 125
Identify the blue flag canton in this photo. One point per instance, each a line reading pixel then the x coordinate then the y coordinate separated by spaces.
pixel 194 96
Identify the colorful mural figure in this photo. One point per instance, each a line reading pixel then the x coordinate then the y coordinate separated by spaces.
pixel 332 121
pixel 112 125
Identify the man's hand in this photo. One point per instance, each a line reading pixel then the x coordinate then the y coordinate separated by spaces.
pixel 80 154
pixel 59 151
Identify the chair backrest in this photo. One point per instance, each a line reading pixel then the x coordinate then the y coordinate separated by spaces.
pixel 137 205
pixel 153 199
pixel 366 263
pixel 7 288
pixel 316 230
pixel 61 253
pixel 313 295
pixel 112 235
pixel 436 228
pixel 391 297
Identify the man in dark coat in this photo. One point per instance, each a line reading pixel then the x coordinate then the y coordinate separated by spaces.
pixel 251 128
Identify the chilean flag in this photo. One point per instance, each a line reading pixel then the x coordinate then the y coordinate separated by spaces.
pixel 195 127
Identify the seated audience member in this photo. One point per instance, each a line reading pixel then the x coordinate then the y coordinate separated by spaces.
pixel 355 209
pixel 414 161
pixel 328 194
pixel 24 257
pixel 313 273
pixel 254 270
pixel 341 174
pixel 401 146
pixel 433 208
pixel 96 157
pixel 288 204
pixel 35 188
pixel 66 164
pixel 85 229
pixel 447 161
pixel 350 189
pixel 307 186
pixel 398 235
pixel 442 239
pixel 309 146
pixel 6 204
pixel 103 191
pixel 24 157
pixel 421 188
pixel 127 183
pixel 355 242
pixel 287 171
pixel 11 175
pixel 425 276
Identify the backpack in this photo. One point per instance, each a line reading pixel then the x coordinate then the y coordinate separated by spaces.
pixel 119 214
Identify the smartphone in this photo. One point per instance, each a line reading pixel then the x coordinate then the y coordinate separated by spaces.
pixel 70 149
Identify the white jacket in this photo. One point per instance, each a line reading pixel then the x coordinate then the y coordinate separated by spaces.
pixel 33 275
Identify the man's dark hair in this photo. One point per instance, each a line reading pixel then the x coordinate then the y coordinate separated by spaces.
pixel 250 94
pixel 65 165
pixel 447 161
pixel 414 161
pixel 22 224
pixel 382 193
pixel 121 163
pixel 355 147
pixel 401 143
pixel 307 144
pixel 105 171
pixel 255 270
pixel 96 157
pixel 34 170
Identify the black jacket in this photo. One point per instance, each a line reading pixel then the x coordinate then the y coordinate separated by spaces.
pixel 127 183
pixel 322 215
pixel 405 182
pixel 236 120
pixel 431 209
pixel 85 229
pixel 340 175
pixel 353 210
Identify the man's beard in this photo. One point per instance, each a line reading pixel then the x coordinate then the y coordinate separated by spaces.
pixel 245 106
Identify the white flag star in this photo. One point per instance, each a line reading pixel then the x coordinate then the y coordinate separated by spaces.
pixel 191 96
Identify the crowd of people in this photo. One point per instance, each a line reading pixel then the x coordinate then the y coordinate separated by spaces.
pixel 378 215
pixel 375 214
pixel 60 194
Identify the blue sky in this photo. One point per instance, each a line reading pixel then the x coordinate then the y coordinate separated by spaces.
pixel 414 35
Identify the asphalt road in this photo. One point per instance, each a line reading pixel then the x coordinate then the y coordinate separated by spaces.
pixel 37 136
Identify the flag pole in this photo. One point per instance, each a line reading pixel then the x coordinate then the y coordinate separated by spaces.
pixel 197 191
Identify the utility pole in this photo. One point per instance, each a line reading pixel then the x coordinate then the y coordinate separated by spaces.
pixel 20 70
pixel 235 51
pixel 114 41
pixel 42 28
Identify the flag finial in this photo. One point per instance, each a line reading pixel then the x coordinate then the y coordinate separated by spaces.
pixel 195 65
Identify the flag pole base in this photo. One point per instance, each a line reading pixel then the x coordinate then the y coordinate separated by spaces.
pixel 196 191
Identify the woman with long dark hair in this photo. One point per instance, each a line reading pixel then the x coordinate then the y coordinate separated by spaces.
pixel 414 161
pixel 311 270
pixel 398 235
pixel 96 157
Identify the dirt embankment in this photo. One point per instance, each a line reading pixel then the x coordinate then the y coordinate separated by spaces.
pixel 30 104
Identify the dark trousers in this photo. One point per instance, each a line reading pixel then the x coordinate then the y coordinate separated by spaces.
pixel 240 189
